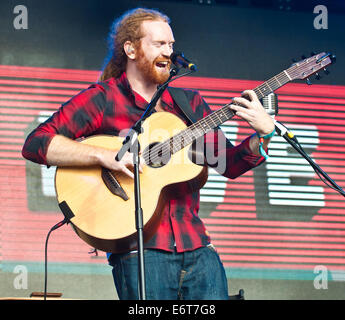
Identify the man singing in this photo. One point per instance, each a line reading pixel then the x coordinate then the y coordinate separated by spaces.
pixel 180 261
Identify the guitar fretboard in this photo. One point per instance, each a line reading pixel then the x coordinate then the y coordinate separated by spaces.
pixel 213 120
pixel 272 84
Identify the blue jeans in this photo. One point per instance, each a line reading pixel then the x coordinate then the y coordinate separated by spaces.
pixel 191 275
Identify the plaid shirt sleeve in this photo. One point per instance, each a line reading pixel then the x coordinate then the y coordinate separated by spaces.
pixel 80 116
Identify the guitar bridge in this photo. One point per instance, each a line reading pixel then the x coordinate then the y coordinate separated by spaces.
pixel 113 185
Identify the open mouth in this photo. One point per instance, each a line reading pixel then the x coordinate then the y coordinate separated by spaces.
pixel 162 64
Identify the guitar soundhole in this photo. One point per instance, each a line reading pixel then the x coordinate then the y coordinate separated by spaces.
pixel 157 155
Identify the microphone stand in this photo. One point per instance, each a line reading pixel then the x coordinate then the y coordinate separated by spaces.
pixel 131 144
pixel 292 140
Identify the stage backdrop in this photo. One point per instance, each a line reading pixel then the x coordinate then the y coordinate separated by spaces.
pixel 276 222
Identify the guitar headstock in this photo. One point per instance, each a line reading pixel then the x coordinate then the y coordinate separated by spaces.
pixel 309 66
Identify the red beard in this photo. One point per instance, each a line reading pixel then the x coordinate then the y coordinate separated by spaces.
pixel 149 70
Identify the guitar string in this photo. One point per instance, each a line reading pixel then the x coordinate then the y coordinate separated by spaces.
pixel 187 135
pixel 272 81
pixel 167 145
pixel 216 113
pixel 170 146
pixel 184 135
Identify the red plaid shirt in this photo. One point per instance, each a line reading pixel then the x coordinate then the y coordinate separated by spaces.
pixel 111 106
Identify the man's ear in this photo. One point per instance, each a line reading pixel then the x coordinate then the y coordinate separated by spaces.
pixel 129 50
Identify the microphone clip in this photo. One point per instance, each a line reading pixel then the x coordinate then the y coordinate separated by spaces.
pixel 174 71
pixel 284 132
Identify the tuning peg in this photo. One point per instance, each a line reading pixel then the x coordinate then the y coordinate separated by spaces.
pixel 333 58
pixel 317 76
pixel 312 53
pixel 303 57
pixel 308 81
pixel 325 71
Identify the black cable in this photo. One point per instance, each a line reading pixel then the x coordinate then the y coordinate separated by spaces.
pixel 58 225
pixel 321 174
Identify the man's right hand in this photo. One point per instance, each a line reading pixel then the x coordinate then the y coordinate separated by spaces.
pixel 125 165
pixel 63 151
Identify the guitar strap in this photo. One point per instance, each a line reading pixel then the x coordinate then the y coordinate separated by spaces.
pixel 181 100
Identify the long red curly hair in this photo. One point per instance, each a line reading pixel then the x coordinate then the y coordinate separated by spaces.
pixel 126 28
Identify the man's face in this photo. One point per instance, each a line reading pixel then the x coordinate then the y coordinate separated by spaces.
pixel 153 54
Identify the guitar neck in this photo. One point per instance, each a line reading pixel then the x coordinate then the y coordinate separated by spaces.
pixel 216 118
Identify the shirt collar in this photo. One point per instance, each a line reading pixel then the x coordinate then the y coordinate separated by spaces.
pixel 139 101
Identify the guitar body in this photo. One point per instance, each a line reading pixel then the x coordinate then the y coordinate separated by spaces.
pixel 105 220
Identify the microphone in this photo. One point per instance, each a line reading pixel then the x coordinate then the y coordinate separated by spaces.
pixel 270 103
pixel 179 59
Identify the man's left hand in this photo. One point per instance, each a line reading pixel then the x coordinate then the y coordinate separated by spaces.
pixel 249 108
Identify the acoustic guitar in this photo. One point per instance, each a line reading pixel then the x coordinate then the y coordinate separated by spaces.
pixel 99 203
